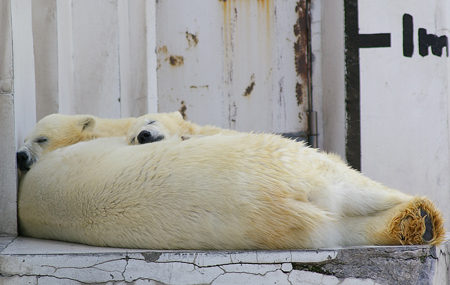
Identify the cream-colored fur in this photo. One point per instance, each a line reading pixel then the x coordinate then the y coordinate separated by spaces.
pixel 244 191
pixel 171 126
pixel 57 130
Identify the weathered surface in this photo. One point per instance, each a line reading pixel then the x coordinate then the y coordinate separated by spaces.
pixel 32 261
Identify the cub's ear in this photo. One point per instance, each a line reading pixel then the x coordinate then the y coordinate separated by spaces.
pixel 87 123
pixel 177 115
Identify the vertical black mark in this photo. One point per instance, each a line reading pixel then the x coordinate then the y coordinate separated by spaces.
pixel 352 84
pixel 408 37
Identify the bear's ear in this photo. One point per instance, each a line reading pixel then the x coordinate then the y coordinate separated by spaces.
pixel 177 115
pixel 87 123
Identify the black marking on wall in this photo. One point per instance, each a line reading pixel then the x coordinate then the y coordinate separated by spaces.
pixel 408 35
pixel 374 40
pixel 352 85
pixel 425 40
pixel 353 42
pixel 430 40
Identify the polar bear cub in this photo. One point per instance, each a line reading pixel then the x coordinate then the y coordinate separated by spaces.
pixel 166 126
pixel 57 130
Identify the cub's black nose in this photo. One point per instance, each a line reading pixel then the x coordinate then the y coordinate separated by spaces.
pixel 144 137
pixel 147 137
pixel 22 161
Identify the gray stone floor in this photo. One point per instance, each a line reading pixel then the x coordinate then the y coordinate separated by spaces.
pixel 33 261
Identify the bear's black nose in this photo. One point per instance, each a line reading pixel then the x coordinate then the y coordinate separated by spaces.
pixel 22 161
pixel 146 137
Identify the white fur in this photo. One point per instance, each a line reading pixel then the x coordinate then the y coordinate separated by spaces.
pixel 244 191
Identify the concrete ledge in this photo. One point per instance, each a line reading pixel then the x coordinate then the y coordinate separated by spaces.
pixel 34 261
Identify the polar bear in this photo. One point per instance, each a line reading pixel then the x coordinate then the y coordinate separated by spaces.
pixel 243 191
pixel 165 126
pixel 57 130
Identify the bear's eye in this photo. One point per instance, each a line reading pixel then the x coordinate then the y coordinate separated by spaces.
pixel 151 122
pixel 41 140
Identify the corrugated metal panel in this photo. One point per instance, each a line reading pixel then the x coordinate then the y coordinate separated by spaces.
pixel 236 64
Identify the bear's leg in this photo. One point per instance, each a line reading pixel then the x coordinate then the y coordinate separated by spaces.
pixel 415 222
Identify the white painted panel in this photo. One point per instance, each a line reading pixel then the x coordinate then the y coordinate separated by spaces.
pixel 96 57
pixel 333 78
pixel 65 57
pixel 289 105
pixel 24 81
pixel 8 193
pixel 230 63
pixel 46 57
pixel 317 67
pixel 6 53
pixel 135 62
pixel 404 102
pixel 189 50
pixel 152 89
pixel 8 172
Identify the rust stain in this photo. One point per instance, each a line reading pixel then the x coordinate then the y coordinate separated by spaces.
pixel 163 49
pixel 299 93
pixel 302 66
pixel 192 39
pixel 183 109
pixel 202 86
pixel 176 60
pixel 249 88
pixel 300 117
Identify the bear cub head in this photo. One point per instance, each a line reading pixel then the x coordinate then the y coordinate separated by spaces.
pixel 52 132
pixel 156 127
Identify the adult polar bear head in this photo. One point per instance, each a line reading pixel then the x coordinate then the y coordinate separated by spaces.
pixel 56 130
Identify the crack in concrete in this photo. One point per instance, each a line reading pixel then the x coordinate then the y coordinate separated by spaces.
pixel 125 267
pixel 252 273
pixel 85 267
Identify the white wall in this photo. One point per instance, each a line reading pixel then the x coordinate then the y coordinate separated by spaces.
pixel 404 100
pixel 8 200
pixel 332 138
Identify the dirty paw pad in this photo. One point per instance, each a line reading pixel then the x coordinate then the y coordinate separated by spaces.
pixel 428 235
pixel 419 223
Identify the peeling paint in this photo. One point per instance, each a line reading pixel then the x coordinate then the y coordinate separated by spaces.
pixel 300 117
pixel 302 66
pixel 198 87
pixel 176 60
pixel 249 88
pixel 192 39
pixel 183 109
pixel 299 93
pixel 163 49
pixel 151 256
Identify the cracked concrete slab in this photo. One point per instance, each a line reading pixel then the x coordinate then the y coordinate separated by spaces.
pixel 34 261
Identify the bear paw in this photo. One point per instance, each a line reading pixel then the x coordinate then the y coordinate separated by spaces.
pixel 419 223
